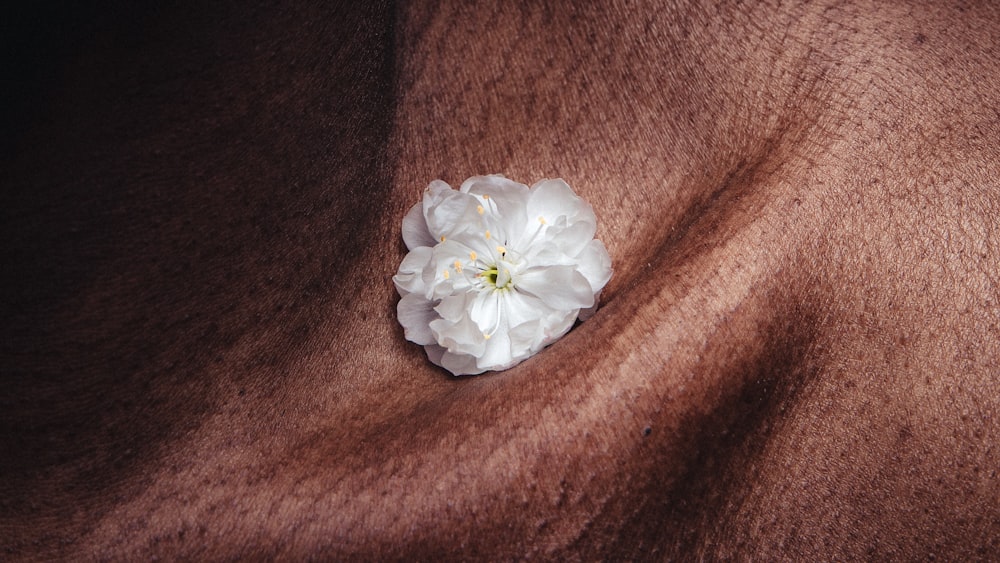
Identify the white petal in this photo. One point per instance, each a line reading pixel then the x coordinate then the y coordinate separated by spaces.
pixel 527 316
pixel 589 311
pixel 416 314
pixel 547 253
pixel 503 204
pixel 456 330
pixel 552 199
pixel 460 364
pixel 454 308
pixel 572 238
pixel 409 278
pixel 415 232
pixel 434 353
pixel 595 265
pixel 492 184
pixel 441 275
pixel 547 330
pixel 520 308
pixel 450 213
pixel 559 287
pixel 525 339
pixel 436 192
pixel 462 246
pixel 437 189
pixel 558 325
pixel 496 355
pixel 459 338
pixel 485 310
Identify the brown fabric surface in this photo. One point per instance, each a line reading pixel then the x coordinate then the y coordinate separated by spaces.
pixel 796 358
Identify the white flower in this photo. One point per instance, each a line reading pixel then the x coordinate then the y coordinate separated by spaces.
pixel 497 271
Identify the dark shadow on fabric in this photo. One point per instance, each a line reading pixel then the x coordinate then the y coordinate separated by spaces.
pixel 201 198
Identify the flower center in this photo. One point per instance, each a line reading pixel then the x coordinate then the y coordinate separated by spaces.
pixel 497 276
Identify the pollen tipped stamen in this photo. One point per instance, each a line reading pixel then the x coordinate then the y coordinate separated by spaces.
pixel 490 204
pixel 538 229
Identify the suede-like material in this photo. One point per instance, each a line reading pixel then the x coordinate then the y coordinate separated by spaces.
pixel 796 359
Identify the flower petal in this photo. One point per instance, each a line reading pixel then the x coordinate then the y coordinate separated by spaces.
pixel 525 339
pixel 461 337
pixel 520 308
pixel 435 354
pixel 559 287
pixel 409 278
pixel 456 330
pixel 553 327
pixel 485 311
pixel 416 314
pixel 452 268
pixel 496 353
pixel 595 265
pixel 454 308
pixel 460 364
pixel 547 253
pixel 589 311
pixel 558 326
pixel 503 204
pixel 552 199
pixel 447 211
pixel 415 231
pixel 571 238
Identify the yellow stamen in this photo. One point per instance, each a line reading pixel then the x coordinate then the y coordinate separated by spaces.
pixel 541 219
pixel 501 249
pixel 472 255
pixel 486 336
pixel 458 266
pixel 486 196
pixel 479 208
pixel 442 238
pixel 488 235
pixel 446 275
